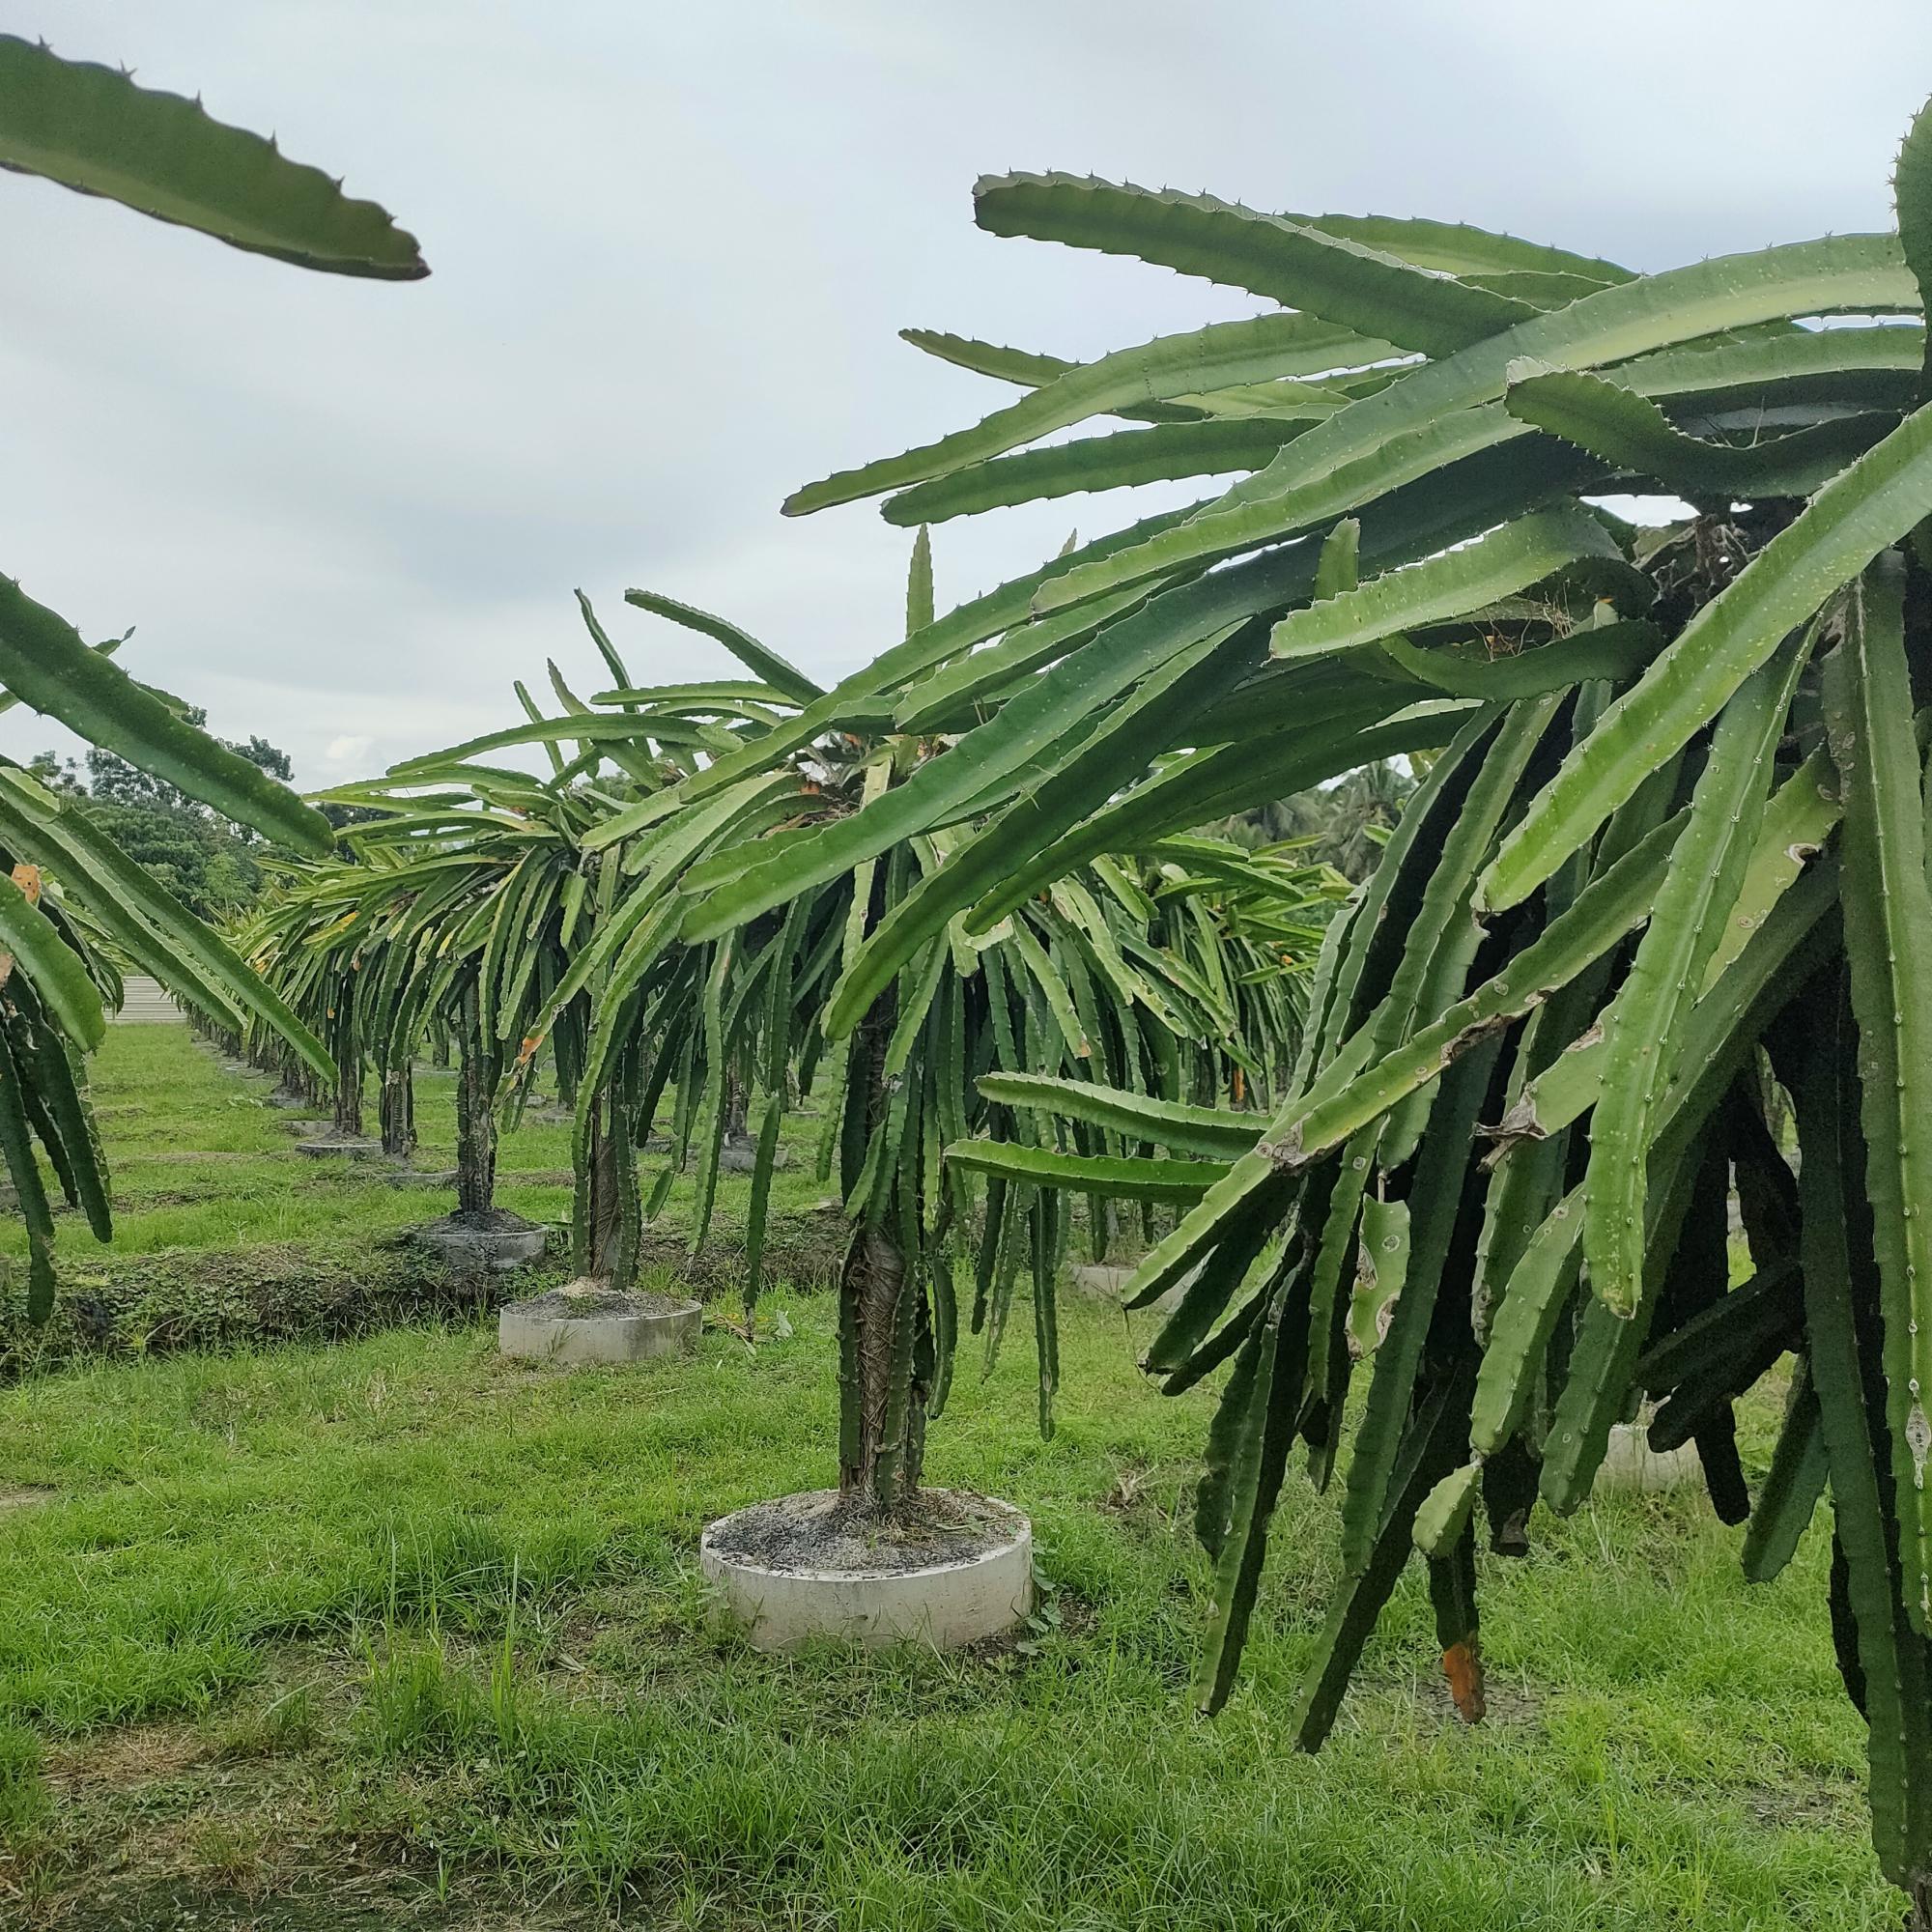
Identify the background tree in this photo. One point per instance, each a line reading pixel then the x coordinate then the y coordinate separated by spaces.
pixel 1344 824
pixel 209 862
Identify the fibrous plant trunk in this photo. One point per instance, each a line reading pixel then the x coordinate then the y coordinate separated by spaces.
pixel 602 1261
pixel 399 1113
pixel 476 1121
pixel 347 1122
pixel 606 1224
pixel 884 1325
pixel 295 1080
pixel 882 1409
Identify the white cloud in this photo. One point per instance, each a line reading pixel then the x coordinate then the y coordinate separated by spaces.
pixel 347 511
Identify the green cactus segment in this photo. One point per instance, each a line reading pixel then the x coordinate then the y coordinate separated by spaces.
pixel 106 649
pixel 1451 938
pixel 1456 249
pixel 1788 1497
pixel 1872 503
pixel 1416 424
pixel 146 920
pixel 1432 1444
pixel 1630 431
pixel 24 1169
pixel 1888 906
pixel 1460 813
pixel 1709 1054
pixel 1607 909
pixel 1603 1358
pixel 1456 800
pixel 1854 367
pixel 88 127
pixel 1912 192
pixel 43 663
pixel 1701 1353
pixel 756 1213
pixel 29 940
pixel 1438 1267
pixel 1321 274
pixel 1445 1514
pixel 1499 565
pixel 1216 1132
pixel 1706 865
pixel 1112 462
pixel 1337 569
pixel 1528 1178
pixel 919 590
pixel 1299 345
pixel 1567 1088
pixel 1380 1270
pixel 1029 370
pixel 1266 349
pixel 1796 824
pixel 1109 1175
pixel 760 660
pixel 1524 1321
pixel 1262 1435
pixel 1614 652
pixel 1525 1181
pixel 54 1067
pixel 1024 367
pixel 1230 1433
pixel 1893 1657
pixel 945 697
pixel 1110 757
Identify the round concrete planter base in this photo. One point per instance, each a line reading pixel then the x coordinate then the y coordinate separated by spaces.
pixel 1630 1464
pixel 507 1242
pixel 346 1147
pixel 813 1566
pixel 582 1324
pixel 1107 1280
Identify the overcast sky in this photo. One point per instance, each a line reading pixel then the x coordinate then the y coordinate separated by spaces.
pixel 671 245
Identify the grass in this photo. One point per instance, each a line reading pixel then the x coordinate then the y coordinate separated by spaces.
pixel 398 1634
pixel 200 1159
pixel 223 1234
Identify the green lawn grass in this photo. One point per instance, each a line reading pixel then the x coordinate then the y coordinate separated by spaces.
pixel 396 1633
pixel 200 1159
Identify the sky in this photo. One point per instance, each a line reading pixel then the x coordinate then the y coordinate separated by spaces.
pixel 671 247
